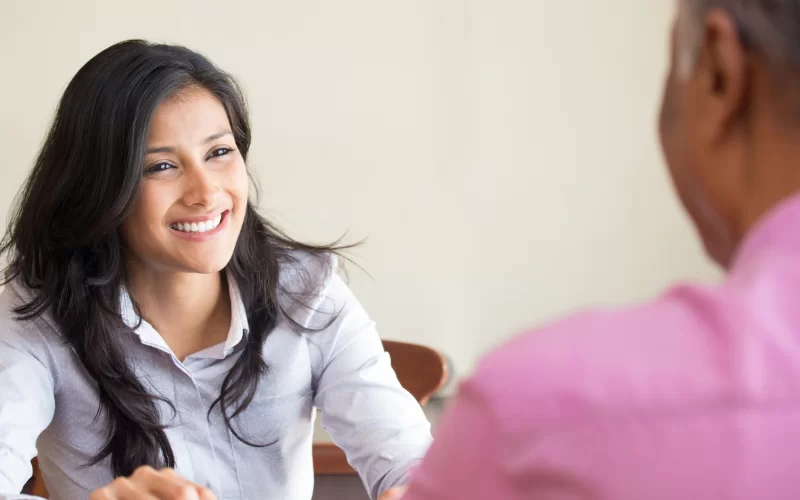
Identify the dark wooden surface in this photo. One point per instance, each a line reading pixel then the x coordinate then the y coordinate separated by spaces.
pixel 339 488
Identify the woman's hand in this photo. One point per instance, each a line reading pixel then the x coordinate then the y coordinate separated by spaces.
pixel 147 483
pixel 393 493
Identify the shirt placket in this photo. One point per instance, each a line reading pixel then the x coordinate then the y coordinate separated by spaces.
pixel 195 430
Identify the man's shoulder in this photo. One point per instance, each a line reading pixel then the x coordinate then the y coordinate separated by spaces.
pixel 612 362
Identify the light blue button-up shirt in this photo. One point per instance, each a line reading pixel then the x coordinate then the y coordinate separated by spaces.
pixel 48 401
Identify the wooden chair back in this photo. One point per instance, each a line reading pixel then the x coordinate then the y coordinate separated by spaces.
pixel 422 371
pixel 35 485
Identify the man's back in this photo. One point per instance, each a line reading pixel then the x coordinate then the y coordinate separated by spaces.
pixel 696 395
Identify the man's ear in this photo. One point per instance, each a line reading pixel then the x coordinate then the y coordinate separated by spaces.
pixel 721 73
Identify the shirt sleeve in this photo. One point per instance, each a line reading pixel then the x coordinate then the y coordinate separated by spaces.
pixel 466 459
pixel 366 411
pixel 27 404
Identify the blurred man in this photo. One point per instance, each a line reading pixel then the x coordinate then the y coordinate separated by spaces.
pixel 696 395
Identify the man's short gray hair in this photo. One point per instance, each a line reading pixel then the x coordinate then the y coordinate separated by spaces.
pixel 771 27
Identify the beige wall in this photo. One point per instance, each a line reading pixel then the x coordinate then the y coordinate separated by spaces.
pixel 500 155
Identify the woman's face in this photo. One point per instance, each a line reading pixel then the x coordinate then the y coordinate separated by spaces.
pixel 194 194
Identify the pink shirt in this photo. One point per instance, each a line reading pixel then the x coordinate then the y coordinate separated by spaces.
pixel 693 396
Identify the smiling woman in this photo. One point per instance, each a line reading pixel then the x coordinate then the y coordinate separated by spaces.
pixel 145 289
pixel 194 180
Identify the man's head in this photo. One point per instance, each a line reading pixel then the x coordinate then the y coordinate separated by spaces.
pixel 730 120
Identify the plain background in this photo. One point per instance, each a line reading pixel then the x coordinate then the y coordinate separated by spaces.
pixel 500 156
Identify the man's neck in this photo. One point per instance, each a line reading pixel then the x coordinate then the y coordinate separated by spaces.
pixel 775 175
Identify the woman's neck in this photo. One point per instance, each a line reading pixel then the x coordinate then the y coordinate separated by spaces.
pixel 190 311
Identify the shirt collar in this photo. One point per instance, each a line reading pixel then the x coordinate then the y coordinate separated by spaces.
pixel 149 336
pixel 778 229
pixel 239 323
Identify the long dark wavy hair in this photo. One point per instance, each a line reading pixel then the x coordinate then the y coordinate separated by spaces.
pixel 63 240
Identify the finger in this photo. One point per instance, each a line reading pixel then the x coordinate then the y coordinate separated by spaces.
pixel 206 494
pixel 165 484
pixel 202 491
pixel 104 493
pixel 125 489
pixel 393 493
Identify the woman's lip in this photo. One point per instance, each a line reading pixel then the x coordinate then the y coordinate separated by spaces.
pixel 206 235
pixel 200 218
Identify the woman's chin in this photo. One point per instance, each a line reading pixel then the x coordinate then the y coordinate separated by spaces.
pixel 204 266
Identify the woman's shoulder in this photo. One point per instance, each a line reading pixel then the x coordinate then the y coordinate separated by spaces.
pixel 13 320
pixel 312 292
pixel 35 336
pixel 307 273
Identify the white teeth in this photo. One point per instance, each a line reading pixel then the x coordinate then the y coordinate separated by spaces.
pixel 197 227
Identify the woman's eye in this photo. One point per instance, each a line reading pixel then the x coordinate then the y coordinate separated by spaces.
pixel 159 167
pixel 220 152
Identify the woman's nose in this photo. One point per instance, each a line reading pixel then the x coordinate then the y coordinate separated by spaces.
pixel 201 187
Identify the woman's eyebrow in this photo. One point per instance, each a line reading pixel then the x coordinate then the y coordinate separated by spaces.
pixel 170 149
